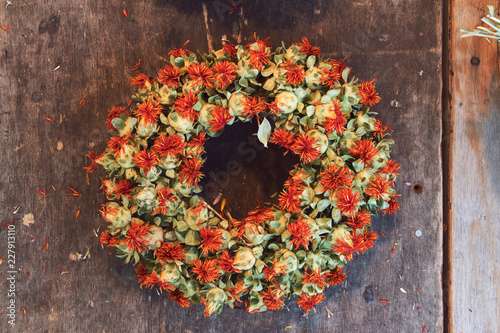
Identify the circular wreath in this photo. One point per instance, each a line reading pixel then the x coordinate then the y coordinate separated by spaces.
pixel 298 247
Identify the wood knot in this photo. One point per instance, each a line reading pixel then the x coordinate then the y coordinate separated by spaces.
pixel 475 61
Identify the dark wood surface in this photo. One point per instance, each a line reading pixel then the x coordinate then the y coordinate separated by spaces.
pixel 57 53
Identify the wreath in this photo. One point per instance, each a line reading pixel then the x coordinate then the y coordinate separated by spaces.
pixel 181 244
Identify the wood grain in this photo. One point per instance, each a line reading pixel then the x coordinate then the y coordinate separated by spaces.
pixel 475 192
pixel 94 46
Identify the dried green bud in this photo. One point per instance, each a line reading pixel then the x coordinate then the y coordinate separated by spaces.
pixel 244 259
pixel 287 101
pixel 214 301
pixel 170 273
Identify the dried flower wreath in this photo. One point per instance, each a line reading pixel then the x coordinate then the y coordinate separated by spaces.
pixel 182 245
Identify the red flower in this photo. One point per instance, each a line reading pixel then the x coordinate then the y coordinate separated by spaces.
pixel 301 233
pixel 363 241
pixel 273 107
pixel 237 290
pixel 335 276
pixel 206 270
pixel 391 168
pixel 335 177
pixel 289 199
pixel 135 239
pixel 117 143
pixel 304 146
pixel 115 112
pixel 253 106
pixel 220 117
pixel 336 123
pixel 380 129
pixel 231 49
pixel 273 298
pixel 105 210
pixel 180 51
pixel 93 165
pixel 259 54
pixel 344 248
pixel 368 95
pixel 169 76
pixel 164 196
pixel 146 160
pixel 260 216
pixel 393 205
pixel 107 238
pixel 306 48
pixel 224 74
pixel 140 80
pixel 185 106
pixel 142 274
pixel 377 189
pixel 271 272
pixel 190 171
pixel 315 278
pixel 333 75
pixel 295 73
pixel 307 302
pixel 123 187
pixel 197 142
pixel 170 252
pixel 210 240
pixel 226 262
pixel 347 201
pixel 169 145
pixel 178 296
pixel 283 138
pixel 364 150
pixel 148 112
pixel 202 74
pixel 359 220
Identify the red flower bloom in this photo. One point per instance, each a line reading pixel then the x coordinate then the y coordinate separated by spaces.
pixel 146 160
pixel 115 112
pixel 178 296
pixel 295 73
pixel 364 150
pixel 93 165
pixel 289 199
pixel 210 240
pixel 391 168
pixel 164 196
pixel 363 241
pixel 253 106
pixel 237 290
pixel 271 272
pixel 117 143
pixel 259 54
pixel 169 76
pixel 368 95
pixel 226 262
pixel 336 123
pixel 190 171
pixel 347 201
pixel 169 145
pixel 140 80
pixel 335 177
pixel 206 270
pixel 220 117
pixel 105 210
pixel 148 112
pixel 359 219
pixel 380 129
pixel 202 74
pixel 282 138
pixel 231 49
pixel 135 239
pixel 344 248
pixel 224 74
pixel 107 238
pixel 307 302
pixel 301 233
pixel 142 274
pixel 180 51
pixel 306 48
pixel 315 278
pixel 304 146
pixel 123 187
pixel 273 298
pixel 170 252
pixel 184 106
pixel 393 205
pixel 260 216
pixel 335 276
pixel 377 189
pixel 197 142
pixel 273 107
pixel 333 75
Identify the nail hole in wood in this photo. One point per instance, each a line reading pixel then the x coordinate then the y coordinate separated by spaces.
pixel 418 188
pixel 475 61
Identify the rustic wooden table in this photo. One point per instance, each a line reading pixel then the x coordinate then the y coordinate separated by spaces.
pixel 64 64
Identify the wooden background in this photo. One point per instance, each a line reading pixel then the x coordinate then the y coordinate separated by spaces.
pixel 57 53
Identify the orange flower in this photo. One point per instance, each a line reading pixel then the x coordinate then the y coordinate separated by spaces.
pixel 259 55
pixel 315 278
pixel 164 196
pixel 393 205
pixel 190 171
pixel 335 276
pixel 259 216
pixel 273 298
pixel 140 80
pixel 253 106
pixel 224 74
pixel 115 112
pixel 359 220
pixel 231 49
pixel 307 302
pixel 117 143
pixel 377 189
pixel 380 129
pixel 289 199
pixel 363 241
pixel 170 252
pixel 201 74
pixel 169 76
pixel 123 187
pixel 148 112
pixel 176 53
pixel 178 296
pixel 344 248
pixel 335 177
pixel 197 142
pixel 300 233
pixel 220 117
pixel 146 160
pixel 333 75
pixel 107 238
pixel 93 165
pixel 210 240
pixel 226 262
pixel 135 239
pixel 336 123
pixel 295 73
pixel 391 168
pixel 282 138
pixel 185 106
pixel 237 290
pixel 169 145
pixel 306 48
pixel 347 201
pixel 364 150
pixel 142 274
pixel 206 270
pixel 368 95
pixel 304 146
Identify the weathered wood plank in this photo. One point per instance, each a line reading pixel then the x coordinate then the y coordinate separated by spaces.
pixel 95 46
pixel 475 193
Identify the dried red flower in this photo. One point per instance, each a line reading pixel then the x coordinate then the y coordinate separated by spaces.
pixel 231 49
pixel 164 196
pixel 363 241
pixel 201 74
pixel 197 142
pixel 378 188
pixel 273 298
pixel 142 274
pixel 347 201
pixel 301 233
pixel 146 160
pixel 93 165
pixel 390 168
pixel 295 73
pixel 224 73
pixel 148 111
pixel 176 53
pixel 115 112
pixel 190 171
pixel 135 239
pixel 178 296
pixel 305 147
pixel 305 47
pixel 393 205
pixel 316 278
pixel 140 80
pixel 335 276
pixel 169 76
pixel 220 117
pixel 364 150
pixel 344 248
pixel 226 262
pixel 116 143
pixel 123 187
pixel 260 55
pixel 380 129
pixel 335 177
pixel 206 270
pixel 368 95
pixel 185 106
pixel 307 302
pixel 289 199
pixel 253 106
pixel 337 123
pixel 170 252
pixel 329 77
pixel 107 238
pixel 282 138
pixel 211 240
pixel 359 219
pixel 169 145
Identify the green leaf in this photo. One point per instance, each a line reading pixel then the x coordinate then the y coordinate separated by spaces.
pixel 118 123
pixel 311 60
pixel 358 165
pixel 323 204
pixel 264 132
pixel 345 74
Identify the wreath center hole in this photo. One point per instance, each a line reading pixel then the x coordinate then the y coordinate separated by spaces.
pixel 244 171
